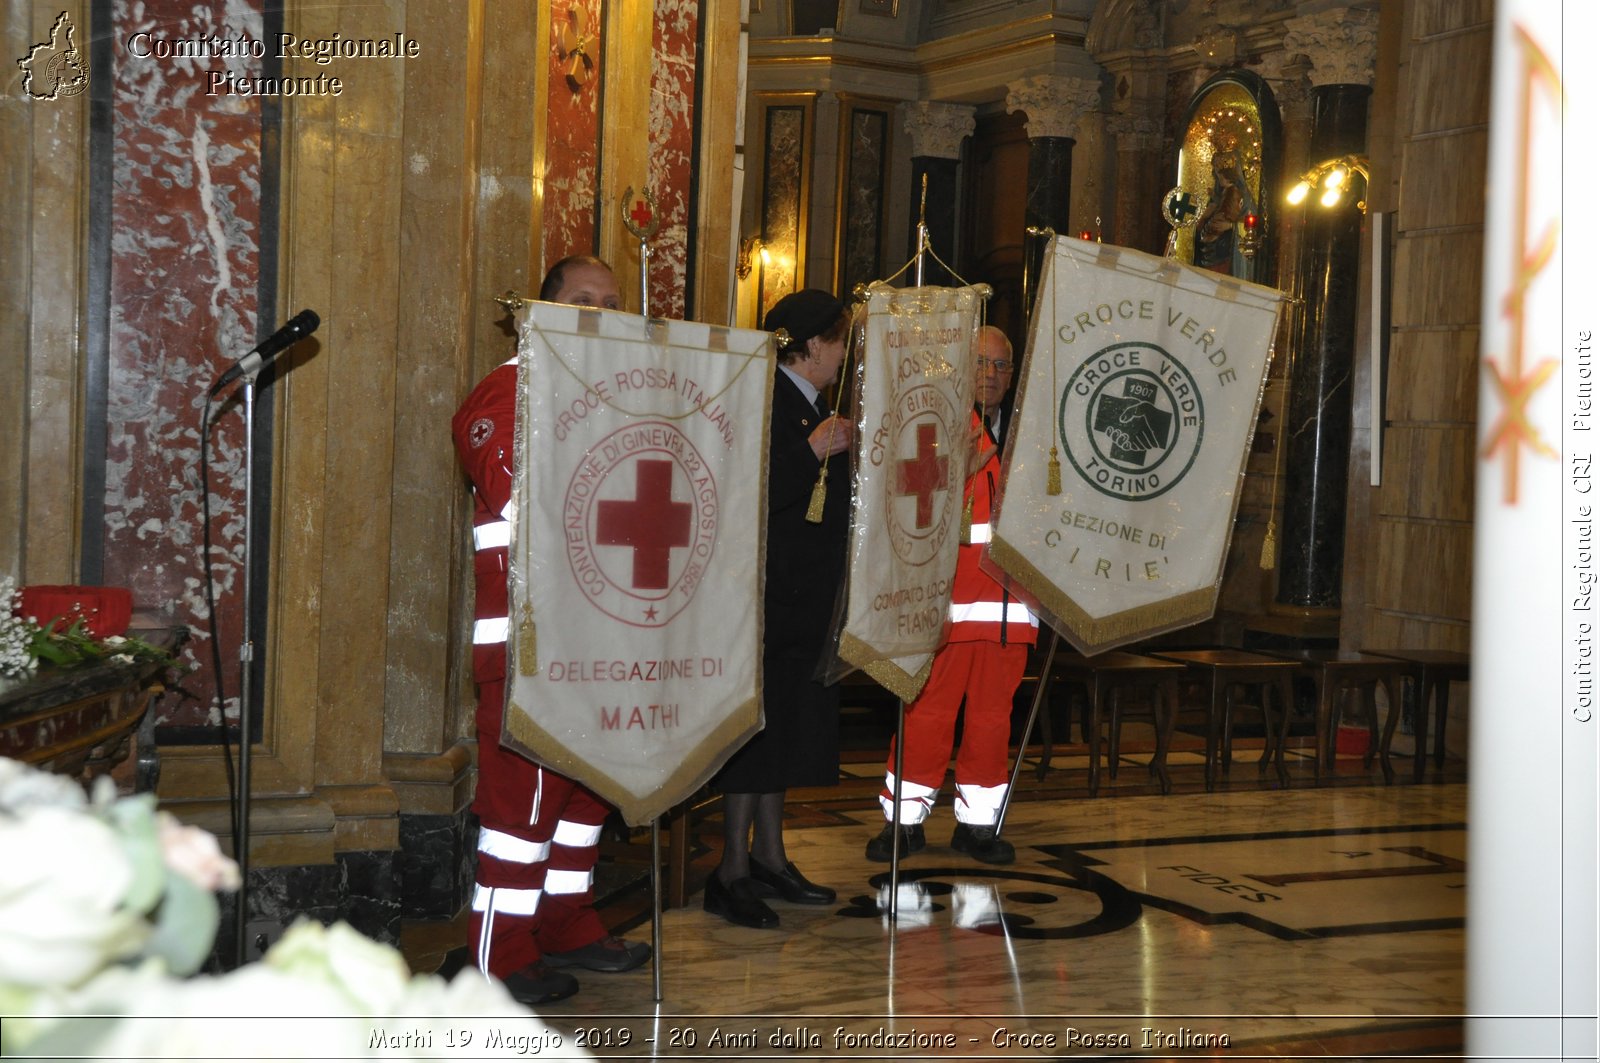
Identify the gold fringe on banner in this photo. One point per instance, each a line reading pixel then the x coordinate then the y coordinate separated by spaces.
pixel 897 680
pixel 527 645
pixel 966 522
pixel 1052 476
pixel 1091 635
pixel 819 495
pixel 886 671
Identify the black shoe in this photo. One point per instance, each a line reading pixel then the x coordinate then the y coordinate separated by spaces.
pixel 737 902
pixel 982 843
pixel 538 984
pixel 789 884
pixel 912 840
pixel 609 954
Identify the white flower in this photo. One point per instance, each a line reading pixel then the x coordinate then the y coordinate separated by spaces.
pixel 194 854
pixel 103 900
pixel 23 788
pixel 61 918
pixel 16 634
pixel 371 977
pixel 199 1018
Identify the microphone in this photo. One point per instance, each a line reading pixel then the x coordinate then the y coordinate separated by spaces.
pixel 298 328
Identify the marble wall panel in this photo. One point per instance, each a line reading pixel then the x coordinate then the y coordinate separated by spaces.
pixel 572 145
pixel 43 170
pixel 1433 376
pixel 1437 279
pixel 1428 472
pixel 1450 82
pixel 185 267
pixel 441 137
pixel 1453 202
pixel 1419 568
pixel 1428 17
pixel 783 202
pixel 861 233
pixel 674 63
pixel 1395 628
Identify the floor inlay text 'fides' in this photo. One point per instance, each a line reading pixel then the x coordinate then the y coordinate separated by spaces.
pixel 1310 884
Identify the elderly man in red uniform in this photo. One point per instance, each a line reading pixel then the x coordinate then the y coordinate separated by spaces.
pixel 982 662
pixel 532 907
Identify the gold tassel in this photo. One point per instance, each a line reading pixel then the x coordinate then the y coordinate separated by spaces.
pixel 1052 476
pixel 1269 547
pixel 966 521
pixel 819 496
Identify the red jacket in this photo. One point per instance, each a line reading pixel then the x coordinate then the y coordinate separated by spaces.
pixel 484 429
pixel 980 608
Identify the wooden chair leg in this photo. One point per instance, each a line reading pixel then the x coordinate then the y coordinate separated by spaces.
pixel 1388 725
pixel 1214 713
pixel 1114 750
pixel 1285 689
pixel 1166 697
pixel 1094 735
pixel 1419 721
pixel 1442 685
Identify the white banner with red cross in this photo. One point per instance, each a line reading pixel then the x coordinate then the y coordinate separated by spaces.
pixel 916 426
pixel 639 526
pixel 1533 950
pixel 1135 412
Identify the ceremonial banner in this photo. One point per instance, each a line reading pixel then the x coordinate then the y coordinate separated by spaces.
pixel 1142 382
pixel 916 415
pixel 1532 939
pixel 636 553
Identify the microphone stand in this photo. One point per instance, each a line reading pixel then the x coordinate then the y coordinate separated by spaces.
pixel 246 658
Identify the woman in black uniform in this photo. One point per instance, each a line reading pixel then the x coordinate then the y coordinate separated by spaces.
pixel 799 745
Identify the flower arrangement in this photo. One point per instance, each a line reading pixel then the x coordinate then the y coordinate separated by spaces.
pixel 108 908
pixel 24 642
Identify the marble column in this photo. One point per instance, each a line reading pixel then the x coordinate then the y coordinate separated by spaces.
pixel 936 131
pixel 1140 177
pixel 1342 46
pixel 1053 106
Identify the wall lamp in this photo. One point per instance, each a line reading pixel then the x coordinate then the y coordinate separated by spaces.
pixel 751 250
pixel 1333 177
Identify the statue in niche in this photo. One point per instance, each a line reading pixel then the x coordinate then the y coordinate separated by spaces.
pixel 1216 232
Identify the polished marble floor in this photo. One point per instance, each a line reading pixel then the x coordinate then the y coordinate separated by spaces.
pixel 1250 922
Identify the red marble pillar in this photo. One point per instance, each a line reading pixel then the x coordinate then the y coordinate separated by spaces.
pixel 185 277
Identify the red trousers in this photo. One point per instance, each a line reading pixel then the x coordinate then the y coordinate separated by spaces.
pixel 539 838
pixel 986 676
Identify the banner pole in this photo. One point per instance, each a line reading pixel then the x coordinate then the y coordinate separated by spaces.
pixel 655 907
pixel 639 217
pixel 1027 728
pixel 894 850
pixel 922 236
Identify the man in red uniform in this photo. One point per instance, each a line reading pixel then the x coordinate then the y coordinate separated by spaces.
pixel 533 905
pixel 982 662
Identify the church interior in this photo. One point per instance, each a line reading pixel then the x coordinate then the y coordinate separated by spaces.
pixel 1304 900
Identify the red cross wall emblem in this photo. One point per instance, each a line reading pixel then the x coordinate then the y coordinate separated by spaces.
pixel 924 474
pixel 651 523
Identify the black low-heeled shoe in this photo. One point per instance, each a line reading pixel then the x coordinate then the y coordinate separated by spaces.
pixel 737 902
pixel 790 884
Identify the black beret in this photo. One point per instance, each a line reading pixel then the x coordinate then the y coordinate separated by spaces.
pixel 803 314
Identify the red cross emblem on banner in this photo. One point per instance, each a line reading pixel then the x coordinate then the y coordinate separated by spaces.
pixel 651 523
pixel 924 474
